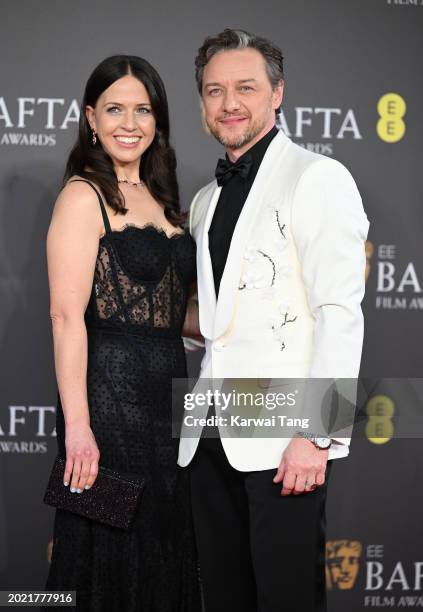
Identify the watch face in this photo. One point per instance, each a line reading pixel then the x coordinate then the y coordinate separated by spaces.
pixel 323 442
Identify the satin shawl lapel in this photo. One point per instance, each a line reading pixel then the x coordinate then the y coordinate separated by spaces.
pixel 205 281
pixel 260 192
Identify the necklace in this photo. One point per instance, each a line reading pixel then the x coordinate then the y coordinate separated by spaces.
pixel 134 184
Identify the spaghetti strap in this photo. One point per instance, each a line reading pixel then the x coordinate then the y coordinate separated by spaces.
pixel 102 207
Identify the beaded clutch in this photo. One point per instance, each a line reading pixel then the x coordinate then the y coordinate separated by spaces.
pixel 113 498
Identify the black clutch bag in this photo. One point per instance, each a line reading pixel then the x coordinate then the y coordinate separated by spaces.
pixel 113 498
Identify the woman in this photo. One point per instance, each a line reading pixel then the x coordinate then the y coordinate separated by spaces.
pixel 120 272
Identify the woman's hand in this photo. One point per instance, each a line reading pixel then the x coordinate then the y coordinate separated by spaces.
pixel 82 457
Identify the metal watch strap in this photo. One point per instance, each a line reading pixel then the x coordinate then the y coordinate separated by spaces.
pixel 314 439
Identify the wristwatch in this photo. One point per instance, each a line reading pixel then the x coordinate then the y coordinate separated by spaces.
pixel 318 441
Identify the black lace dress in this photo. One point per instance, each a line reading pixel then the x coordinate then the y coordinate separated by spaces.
pixel 134 320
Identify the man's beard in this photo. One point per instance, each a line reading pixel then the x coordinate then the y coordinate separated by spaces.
pixel 240 140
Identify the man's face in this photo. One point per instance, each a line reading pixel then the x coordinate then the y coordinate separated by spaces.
pixel 238 101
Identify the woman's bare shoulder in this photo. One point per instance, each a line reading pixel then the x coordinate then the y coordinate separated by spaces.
pixel 77 199
pixel 81 187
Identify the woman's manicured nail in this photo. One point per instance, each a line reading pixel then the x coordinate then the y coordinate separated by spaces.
pixel 87 487
pixel 72 489
pixel 66 484
pixel 79 490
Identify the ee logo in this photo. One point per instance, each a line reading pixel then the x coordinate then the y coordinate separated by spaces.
pixel 379 427
pixel 391 108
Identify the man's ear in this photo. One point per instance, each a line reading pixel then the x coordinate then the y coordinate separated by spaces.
pixel 89 113
pixel 278 94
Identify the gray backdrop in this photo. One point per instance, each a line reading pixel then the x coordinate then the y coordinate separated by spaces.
pixel 343 55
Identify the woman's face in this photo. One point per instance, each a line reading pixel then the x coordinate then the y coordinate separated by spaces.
pixel 123 120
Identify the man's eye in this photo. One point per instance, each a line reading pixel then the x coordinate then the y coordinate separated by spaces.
pixel 246 88
pixel 214 92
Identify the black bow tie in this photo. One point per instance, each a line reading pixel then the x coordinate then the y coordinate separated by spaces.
pixel 225 170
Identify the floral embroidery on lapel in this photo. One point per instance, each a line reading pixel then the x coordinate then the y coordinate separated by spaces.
pixel 281 227
pixel 278 323
pixel 253 280
pixel 272 282
pixel 250 280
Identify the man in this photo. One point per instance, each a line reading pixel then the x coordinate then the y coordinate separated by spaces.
pixel 281 263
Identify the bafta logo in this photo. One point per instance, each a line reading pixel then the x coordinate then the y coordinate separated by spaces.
pixel 342 563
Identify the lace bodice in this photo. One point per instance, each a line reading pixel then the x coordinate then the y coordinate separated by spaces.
pixel 142 278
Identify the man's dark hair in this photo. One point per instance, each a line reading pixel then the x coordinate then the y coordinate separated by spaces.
pixel 240 39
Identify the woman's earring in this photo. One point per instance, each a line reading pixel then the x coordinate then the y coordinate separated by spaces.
pixel 94 138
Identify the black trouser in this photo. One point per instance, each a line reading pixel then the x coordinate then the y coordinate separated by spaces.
pixel 258 551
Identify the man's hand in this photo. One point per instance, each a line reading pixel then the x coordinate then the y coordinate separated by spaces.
pixel 302 467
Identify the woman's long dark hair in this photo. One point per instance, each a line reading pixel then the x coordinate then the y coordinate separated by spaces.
pixel 158 167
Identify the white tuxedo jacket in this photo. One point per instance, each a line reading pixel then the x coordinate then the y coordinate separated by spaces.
pixel 290 295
